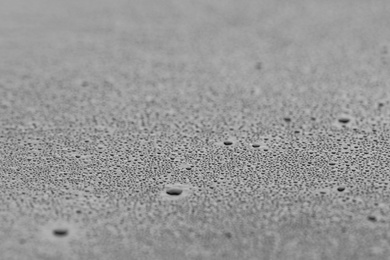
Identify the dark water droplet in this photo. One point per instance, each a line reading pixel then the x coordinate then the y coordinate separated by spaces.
pixel 228 143
pixel 344 120
pixel 341 189
pixel 228 234
pixel 60 232
pixel 174 192
pixel 287 119
pixel 371 218
pixel 255 145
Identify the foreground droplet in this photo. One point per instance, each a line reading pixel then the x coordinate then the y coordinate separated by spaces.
pixel 340 189
pixel 174 192
pixel 60 232
pixel 344 120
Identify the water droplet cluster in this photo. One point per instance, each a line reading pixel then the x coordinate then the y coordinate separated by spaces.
pixel 185 130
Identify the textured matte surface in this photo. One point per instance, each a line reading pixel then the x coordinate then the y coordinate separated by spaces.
pixel 177 129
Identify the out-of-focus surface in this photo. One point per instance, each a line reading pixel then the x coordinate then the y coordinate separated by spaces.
pixel 202 129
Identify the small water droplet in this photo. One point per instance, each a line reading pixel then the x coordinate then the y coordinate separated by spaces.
pixel 228 235
pixel 344 120
pixel 60 232
pixel 174 192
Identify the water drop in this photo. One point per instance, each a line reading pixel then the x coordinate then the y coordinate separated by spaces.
pixel 174 192
pixel 60 232
pixel 340 189
pixel 344 120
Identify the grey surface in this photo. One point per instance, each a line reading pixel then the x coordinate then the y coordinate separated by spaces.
pixel 106 105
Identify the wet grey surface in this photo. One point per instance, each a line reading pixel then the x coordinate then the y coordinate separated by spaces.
pixel 194 129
